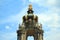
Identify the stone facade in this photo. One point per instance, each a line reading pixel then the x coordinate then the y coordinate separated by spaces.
pixel 30 27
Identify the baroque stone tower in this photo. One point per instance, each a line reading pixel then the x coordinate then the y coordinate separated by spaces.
pixel 30 27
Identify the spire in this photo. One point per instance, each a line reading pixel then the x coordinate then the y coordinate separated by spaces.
pixel 30 11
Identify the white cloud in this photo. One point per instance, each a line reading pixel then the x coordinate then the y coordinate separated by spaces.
pixel 8 36
pixel 51 2
pixel 45 3
pixel 43 18
pixel 53 17
pixel 7 27
pixel 54 21
pixel 53 33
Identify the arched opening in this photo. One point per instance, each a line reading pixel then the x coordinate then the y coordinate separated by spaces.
pixel 30 38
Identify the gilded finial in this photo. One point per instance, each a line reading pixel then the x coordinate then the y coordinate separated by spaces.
pixel 30 7
pixel 30 11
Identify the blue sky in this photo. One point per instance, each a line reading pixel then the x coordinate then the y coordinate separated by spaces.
pixel 11 12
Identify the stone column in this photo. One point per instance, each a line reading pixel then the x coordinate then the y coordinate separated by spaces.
pixel 23 37
pixel 18 35
pixel 40 37
pixel 19 38
pixel 36 37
